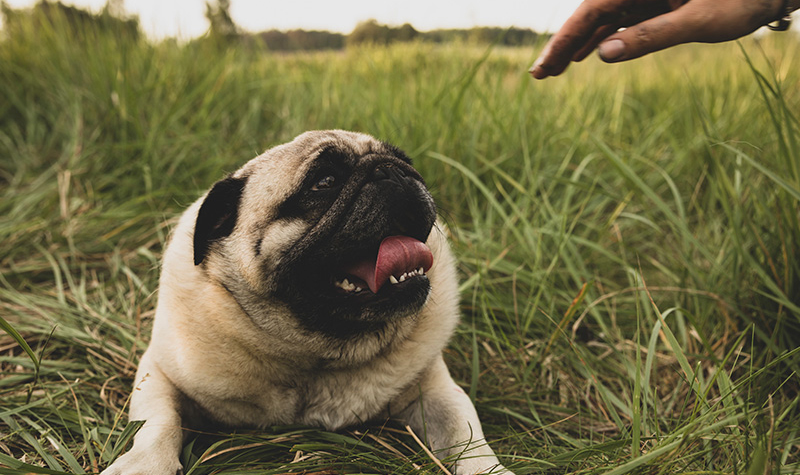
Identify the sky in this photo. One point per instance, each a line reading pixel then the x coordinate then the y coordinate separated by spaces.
pixel 185 18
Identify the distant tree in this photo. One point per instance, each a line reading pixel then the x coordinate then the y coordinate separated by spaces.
pixel 484 35
pixel 221 25
pixel 275 40
pixel 115 8
pixel 406 33
pixel 314 40
pixel 298 40
pixel 369 32
pixel 81 24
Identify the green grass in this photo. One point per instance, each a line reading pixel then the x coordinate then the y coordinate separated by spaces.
pixel 628 239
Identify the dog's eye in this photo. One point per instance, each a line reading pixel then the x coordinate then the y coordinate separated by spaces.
pixel 325 183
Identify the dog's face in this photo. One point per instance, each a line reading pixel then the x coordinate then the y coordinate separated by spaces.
pixel 330 227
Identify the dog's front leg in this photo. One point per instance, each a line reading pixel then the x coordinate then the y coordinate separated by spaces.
pixel 157 445
pixel 444 415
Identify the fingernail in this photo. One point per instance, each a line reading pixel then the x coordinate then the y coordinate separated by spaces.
pixel 535 69
pixel 611 50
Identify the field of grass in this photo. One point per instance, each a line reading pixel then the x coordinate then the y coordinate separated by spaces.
pixel 628 239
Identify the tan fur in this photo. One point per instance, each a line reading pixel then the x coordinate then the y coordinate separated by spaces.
pixel 250 374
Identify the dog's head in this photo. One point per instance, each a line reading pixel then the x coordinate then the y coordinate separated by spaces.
pixel 332 225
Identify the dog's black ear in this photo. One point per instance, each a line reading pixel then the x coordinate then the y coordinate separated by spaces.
pixel 217 215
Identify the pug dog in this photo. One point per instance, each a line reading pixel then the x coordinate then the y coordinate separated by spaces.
pixel 312 286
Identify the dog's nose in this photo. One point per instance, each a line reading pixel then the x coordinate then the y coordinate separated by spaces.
pixel 388 171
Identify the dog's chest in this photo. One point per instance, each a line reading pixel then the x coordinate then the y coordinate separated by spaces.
pixel 335 400
pixel 320 398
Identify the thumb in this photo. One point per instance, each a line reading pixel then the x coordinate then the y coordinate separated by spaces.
pixel 655 34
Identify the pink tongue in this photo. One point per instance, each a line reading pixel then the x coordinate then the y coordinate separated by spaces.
pixel 396 256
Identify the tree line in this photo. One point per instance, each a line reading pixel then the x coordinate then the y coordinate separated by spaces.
pixel 223 31
pixel 43 14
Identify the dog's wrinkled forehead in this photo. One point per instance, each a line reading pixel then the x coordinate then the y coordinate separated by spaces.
pixel 276 174
pixel 289 162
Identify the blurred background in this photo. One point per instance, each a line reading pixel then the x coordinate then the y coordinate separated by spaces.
pixel 186 19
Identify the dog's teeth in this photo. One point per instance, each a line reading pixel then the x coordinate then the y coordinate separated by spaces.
pixel 406 275
pixel 347 286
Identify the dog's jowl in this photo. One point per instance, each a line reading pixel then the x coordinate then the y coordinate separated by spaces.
pixel 312 286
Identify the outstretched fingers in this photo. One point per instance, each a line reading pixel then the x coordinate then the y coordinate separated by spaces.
pixel 658 33
pixel 590 21
pixel 650 26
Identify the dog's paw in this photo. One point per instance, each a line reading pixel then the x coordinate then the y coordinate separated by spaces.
pixel 135 463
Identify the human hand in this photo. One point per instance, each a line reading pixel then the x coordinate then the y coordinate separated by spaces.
pixel 651 25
